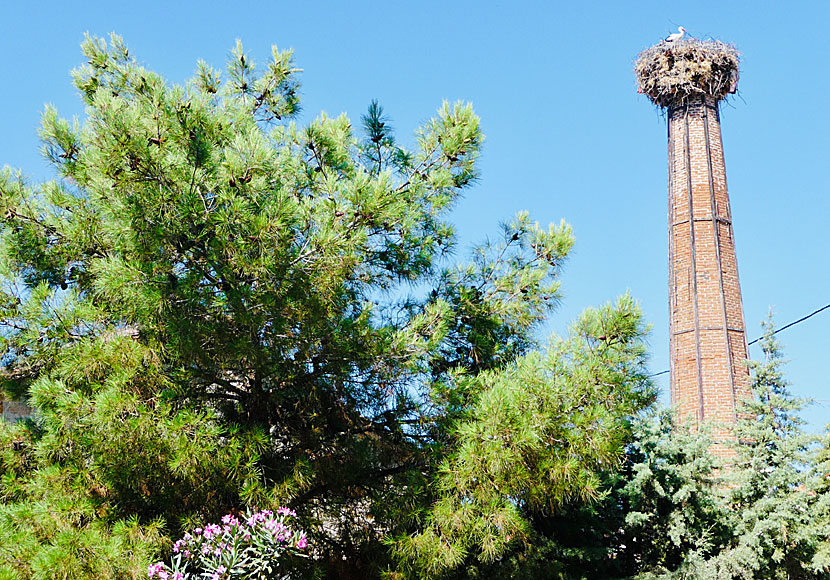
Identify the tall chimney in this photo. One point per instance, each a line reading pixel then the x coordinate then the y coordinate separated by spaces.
pixel 689 78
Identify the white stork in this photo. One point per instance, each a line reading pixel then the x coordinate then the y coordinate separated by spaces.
pixel 677 35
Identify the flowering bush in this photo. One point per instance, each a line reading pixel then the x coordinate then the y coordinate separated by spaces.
pixel 249 548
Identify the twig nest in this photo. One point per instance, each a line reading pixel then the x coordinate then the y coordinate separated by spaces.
pixel 673 73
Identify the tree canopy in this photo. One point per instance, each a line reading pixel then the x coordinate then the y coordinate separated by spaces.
pixel 214 308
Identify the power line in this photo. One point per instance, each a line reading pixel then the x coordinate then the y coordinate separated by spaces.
pixel 785 327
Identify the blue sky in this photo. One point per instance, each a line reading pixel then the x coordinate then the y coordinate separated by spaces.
pixel 567 134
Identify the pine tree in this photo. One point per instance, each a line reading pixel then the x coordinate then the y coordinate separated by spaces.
pixel 761 513
pixel 214 308
pixel 673 511
pixel 540 435
pixel 771 489
pixel 820 513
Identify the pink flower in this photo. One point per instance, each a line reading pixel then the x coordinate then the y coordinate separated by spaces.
pixel 177 576
pixel 154 569
pixel 284 511
pixel 302 543
pixel 261 516
pixel 163 575
pixel 212 530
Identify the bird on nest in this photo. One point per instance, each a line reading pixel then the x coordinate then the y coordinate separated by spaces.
pixel 676 36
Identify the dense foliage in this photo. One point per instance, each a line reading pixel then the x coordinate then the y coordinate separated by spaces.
pixel 759 513
pixel 257 546
pixel 214 309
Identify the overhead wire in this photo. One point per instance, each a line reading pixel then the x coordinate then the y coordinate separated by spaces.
pixel 785 327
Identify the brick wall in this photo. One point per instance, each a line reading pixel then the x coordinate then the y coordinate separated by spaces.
pixel 707 333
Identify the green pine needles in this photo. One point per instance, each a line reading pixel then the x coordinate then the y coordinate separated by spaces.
pixel 764 514
pixel 215 309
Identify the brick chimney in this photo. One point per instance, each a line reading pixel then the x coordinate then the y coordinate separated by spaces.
pixel 707 334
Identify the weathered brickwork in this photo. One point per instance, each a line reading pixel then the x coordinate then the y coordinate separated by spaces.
pixel 707 334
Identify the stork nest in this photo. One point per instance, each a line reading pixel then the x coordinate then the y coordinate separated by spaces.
pixel 673 73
